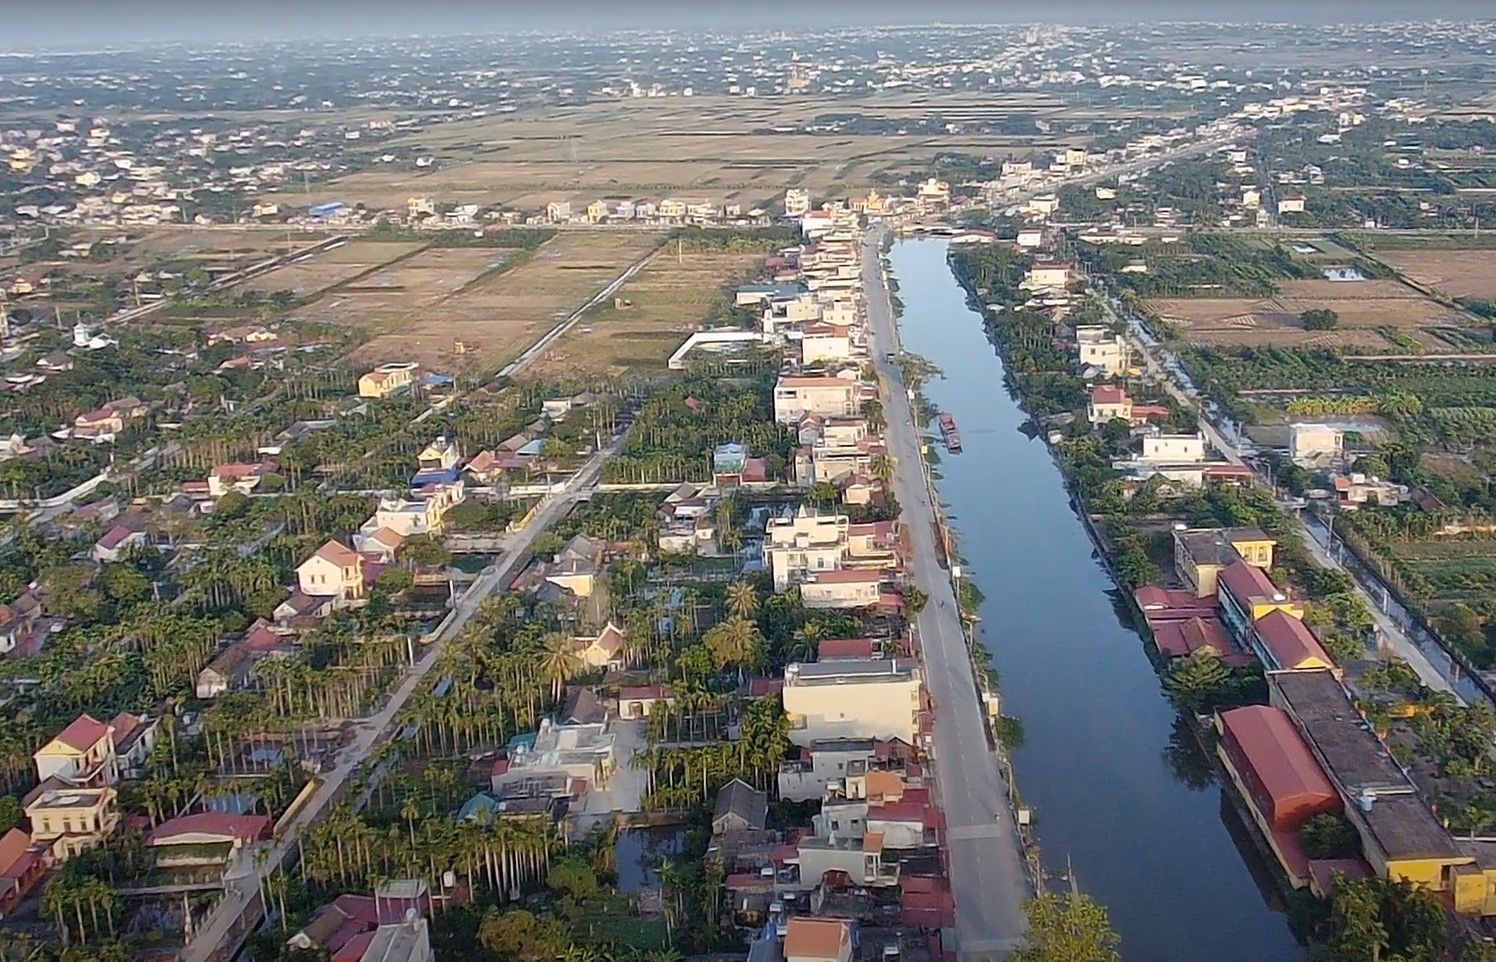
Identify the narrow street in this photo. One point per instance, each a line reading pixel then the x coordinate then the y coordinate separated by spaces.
pixel 987 872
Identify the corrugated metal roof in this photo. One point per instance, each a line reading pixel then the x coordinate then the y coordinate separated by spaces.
pixel 1277 753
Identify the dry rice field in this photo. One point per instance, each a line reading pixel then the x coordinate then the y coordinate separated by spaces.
pixel 650 315
pixel 709 149
pixel 501 312
pixel 330 268
pixel 1470 273
pixel 1362 307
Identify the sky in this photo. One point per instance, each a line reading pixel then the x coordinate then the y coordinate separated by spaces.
pixel 69 23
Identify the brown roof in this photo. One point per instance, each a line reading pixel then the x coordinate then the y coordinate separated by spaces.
pixel 83 733
pixel 815 938
pixel 847 576
pixel 1289 641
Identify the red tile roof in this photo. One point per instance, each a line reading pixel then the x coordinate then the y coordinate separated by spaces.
pixel 844 648
pixel 1246 581
pixel 1171 603
pixel 1108 394
pixel 1289 641
pixel 763 687
pixel 16 857
pixel 241 827
pixel 1180 638
pixel 83 733
pixel 1265 741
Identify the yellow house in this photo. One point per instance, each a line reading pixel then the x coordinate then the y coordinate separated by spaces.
pixel 670 207
pixel 80 754
pixel 69 820
pixel 603 651
pixel 387 380
pixel 334 569
pixel 596 211
pixel 1200 555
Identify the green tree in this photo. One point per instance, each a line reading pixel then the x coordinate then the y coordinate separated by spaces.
pixel 1319 319
pixel 1329 836
pixel 915 599
pixel 1068 927
pixel 1198 680
pixel 574 877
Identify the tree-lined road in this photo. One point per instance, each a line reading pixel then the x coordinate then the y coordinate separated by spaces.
pixel 987 873
pixel 223 930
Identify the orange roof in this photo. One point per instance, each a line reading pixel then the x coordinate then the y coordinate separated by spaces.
pixel 388 537
pixel 872 842
pixel 885 785
pixel 338 553
pixel 815 938
pixel 1246 582
pixel 1108 394
pixel 83 733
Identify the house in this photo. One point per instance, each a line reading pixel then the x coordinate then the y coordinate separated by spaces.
pixel 387 380
pixel 846 859
pixel 844 649
pixel 1275 773
pixel 844 588
pixel 80 754
pixel 22 864
pixel 578 565
pixel 637 702
pixel 302 608
pixel 804 543
pixel 440 457
pixel 1245 593
pixel 739 808
pixel 333 570
pixel 205 838
pixel 796 202
pixel 796 396
pixel 1173 449
pixel 583 752
pixel 825 342
pixel 1201 554
pixel 824 764
pixel 115 543
pixel 1311 444
pixel 134 736
pixel 852 699
pixel 67 820
pixel 236 476
pixel 225 672
pixel 1284 643
pixel 1097 347
pixel 98 426
pixel 1355 489
pixel 408 940
pixel 384 543
pixel 1044 274
pixel 20 621
pixel 1108 402
pixel 347 927
pixel 1030 237
pixel 818 940
pixel 604 650
pixel 1291 204
pixel 423 512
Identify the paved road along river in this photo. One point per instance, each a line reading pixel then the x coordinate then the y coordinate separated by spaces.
pixel 1114 784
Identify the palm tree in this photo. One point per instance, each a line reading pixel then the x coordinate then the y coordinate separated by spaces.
pixel 559 663
pixel 742 600
pixel 882 466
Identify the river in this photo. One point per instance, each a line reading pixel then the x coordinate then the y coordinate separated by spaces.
pixel 1116 788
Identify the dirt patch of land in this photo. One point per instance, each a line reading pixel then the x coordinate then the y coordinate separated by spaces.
pixel 330 268
pixel 649 316
pixel 498 312
pixel 1455 273
pixel 1363 308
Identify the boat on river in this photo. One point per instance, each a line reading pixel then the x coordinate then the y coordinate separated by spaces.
pixel 949 433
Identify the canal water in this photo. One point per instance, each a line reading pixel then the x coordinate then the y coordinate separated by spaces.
pixel 1117 787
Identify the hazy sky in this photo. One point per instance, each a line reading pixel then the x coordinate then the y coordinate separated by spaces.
pixel 68 23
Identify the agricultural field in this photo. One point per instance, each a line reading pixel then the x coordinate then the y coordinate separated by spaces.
pixel 707 149
pixel 1455 273
pixel 1381 316
pixel 408 284
pixel 650 315
pixel 330 268
pixel 500 313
